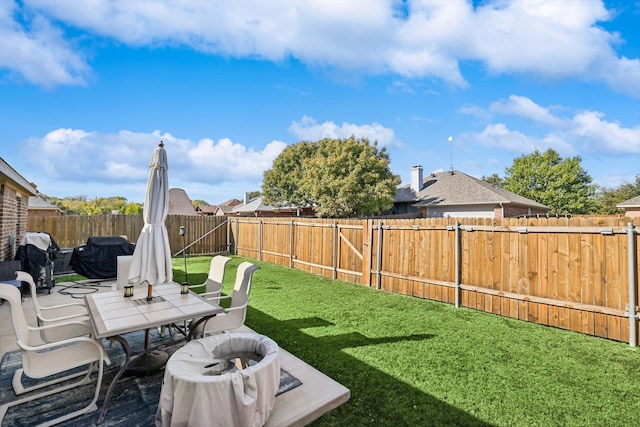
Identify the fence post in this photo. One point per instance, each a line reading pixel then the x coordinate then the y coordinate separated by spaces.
pixel 237 239
pixel 336 248
pixel 379 257
pixel 291 244
pixel 260 240
pixel 632 265
pixel 367 262
pixel 457 263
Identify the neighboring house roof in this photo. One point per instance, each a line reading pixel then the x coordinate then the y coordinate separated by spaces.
pixel 231 202
pixel 454 188
pixel 207 209
pixel 37 202
pixel 256 205
pixel 10 174
pixel 179 203
pixel 633 202
pixel 225 209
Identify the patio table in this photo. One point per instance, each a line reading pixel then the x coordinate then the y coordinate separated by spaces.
pixel 113 315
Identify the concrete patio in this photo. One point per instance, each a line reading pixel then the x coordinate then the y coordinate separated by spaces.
pixel 317 395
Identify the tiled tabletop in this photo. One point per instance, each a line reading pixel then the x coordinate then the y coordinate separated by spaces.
pixel 114 314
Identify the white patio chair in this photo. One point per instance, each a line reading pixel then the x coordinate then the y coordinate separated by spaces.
pixel 235 315
pixel 54 314
pixel 213 285
pixel 41 361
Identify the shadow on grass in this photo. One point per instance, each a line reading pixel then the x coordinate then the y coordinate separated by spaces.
pixel 376 397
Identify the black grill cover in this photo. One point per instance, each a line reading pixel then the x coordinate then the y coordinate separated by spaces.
pixel 98 258
pixel 34 258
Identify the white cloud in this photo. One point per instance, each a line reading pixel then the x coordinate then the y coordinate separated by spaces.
pixel 585 131
pixel 551 39
pixel 74 155
pixel 37 51
pixel 599 135
pixel 525 107
pixel 501 137
pixel 308 129
pixel 226 160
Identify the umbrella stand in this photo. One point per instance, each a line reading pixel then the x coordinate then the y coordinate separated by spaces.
pixel 148 362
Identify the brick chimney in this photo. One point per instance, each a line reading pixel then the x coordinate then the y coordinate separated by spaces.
pixel 416 178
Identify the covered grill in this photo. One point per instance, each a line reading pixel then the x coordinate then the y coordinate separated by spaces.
pixel 98 258
pixel 37 253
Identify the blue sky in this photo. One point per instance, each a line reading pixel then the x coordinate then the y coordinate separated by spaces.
pixel 88 89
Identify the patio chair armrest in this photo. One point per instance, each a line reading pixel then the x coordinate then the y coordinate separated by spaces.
pixel 62 318
pixel 207 295
pixel 218 298
pixel 202 285
pixel 71 304
pixel 54 344
pixel 240 307
pixel 57 325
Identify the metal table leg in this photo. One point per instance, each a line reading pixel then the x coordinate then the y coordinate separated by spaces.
pixel 127 351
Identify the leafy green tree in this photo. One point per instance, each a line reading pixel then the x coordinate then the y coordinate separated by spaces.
pixel 132 209
pixel 82 205
pixel 608 198
pixel 281 183
pixel 338 177
pixel 561 184
pixel 198 202
pixel 494 179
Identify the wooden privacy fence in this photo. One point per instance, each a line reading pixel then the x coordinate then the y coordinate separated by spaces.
pixel 203 234
pixel 576 273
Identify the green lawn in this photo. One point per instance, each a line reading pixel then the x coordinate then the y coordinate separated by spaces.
pixel 412 362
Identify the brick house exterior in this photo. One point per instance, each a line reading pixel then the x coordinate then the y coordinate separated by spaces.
pixel 458 195
pixel 15 191
pixel 40 207
pixel 631 207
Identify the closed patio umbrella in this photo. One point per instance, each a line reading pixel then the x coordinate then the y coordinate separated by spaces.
pixel 151 262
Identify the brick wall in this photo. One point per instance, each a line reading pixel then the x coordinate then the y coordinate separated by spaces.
pixel 44 212
pixel 13 220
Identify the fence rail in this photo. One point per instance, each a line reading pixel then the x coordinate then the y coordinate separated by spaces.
pixel 576 273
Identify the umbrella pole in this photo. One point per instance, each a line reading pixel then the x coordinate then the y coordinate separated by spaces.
pixel 149 299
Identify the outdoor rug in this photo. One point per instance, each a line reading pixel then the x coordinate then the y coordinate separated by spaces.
pixel 134 401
